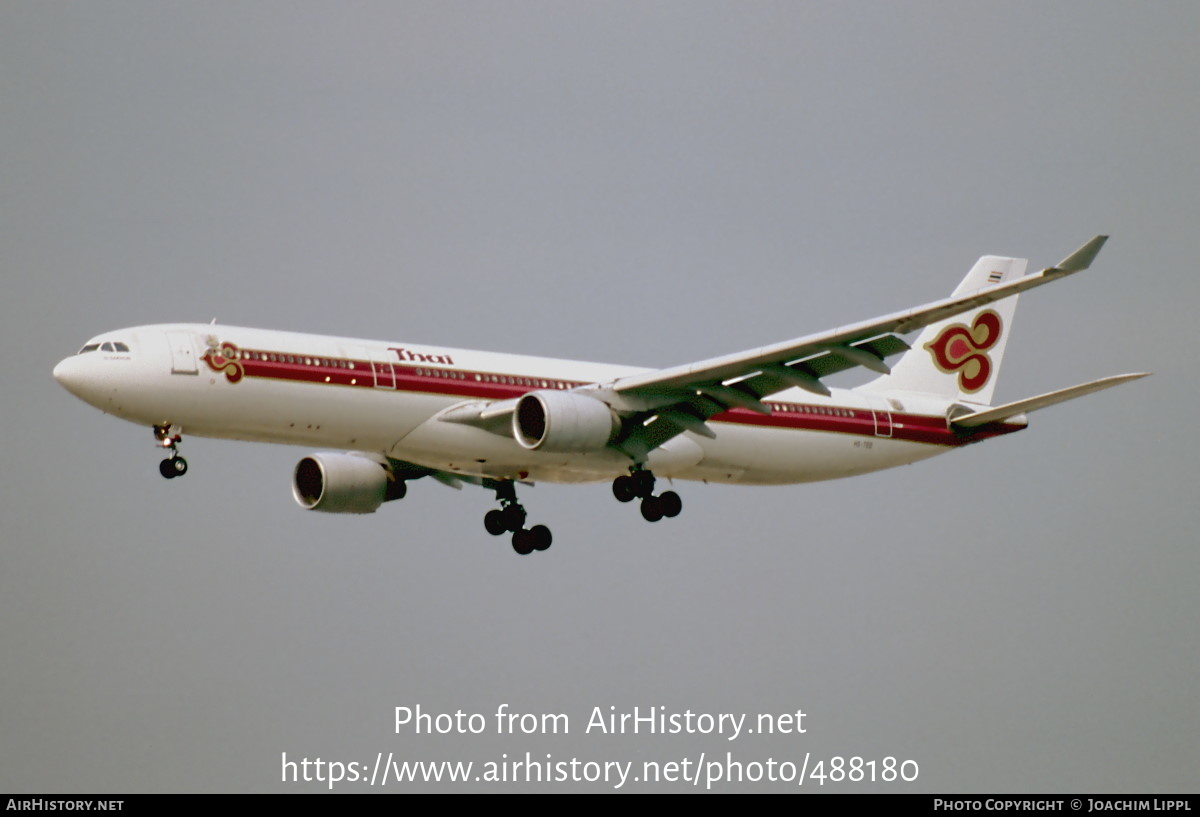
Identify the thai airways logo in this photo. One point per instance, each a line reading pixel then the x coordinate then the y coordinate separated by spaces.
pixel 962 349
pixel 223 357
pixel 420 357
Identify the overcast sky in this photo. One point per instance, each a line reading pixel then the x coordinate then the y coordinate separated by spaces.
pixel 640 183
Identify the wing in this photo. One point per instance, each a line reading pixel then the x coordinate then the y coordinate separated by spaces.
pixel 659 405
pixel 682 398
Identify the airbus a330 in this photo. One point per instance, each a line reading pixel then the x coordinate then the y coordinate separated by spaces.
pixel 402 411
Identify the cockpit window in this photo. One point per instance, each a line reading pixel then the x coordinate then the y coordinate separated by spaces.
pixel 107 346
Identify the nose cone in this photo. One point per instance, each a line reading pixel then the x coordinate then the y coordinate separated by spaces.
pixel 72 375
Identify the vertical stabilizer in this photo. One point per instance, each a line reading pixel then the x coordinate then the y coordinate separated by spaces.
pixel 959 358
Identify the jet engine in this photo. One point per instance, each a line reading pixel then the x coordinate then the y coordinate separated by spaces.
pixel 563 422
pixel 344 483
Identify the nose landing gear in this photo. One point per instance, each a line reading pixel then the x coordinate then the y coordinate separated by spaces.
pixel 510 516
pixel 640 483
pixel 170 437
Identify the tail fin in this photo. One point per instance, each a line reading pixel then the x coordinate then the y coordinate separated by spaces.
pixel 959 358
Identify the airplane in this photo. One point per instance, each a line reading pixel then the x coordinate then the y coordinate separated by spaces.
pixel 400 412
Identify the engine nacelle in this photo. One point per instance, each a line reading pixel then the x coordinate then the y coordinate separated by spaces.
pixel 343 483
pixel 563 422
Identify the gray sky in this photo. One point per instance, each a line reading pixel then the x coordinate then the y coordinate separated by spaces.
pixel 642 183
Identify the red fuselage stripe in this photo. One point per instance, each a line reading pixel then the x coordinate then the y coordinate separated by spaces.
pixel 470 385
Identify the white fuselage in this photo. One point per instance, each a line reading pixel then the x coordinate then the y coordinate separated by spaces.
pixel 385 398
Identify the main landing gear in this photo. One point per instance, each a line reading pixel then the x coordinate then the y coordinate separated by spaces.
pixel 510 516
pixel 640 483
pixel 170 437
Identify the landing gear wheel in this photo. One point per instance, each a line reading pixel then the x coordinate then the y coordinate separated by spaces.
pixel 671 504
pixel 624 489
pixel 514 517
pixel 540 536
pixel 652 509
pixel 169 437
pixel 523 541
pixel 494 522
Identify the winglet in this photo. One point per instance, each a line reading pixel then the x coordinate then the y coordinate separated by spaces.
pixel 1083 257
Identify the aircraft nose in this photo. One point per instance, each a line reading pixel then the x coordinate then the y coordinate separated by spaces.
pixel 71 376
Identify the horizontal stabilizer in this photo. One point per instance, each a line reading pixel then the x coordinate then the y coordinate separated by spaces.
pixel 1008 410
